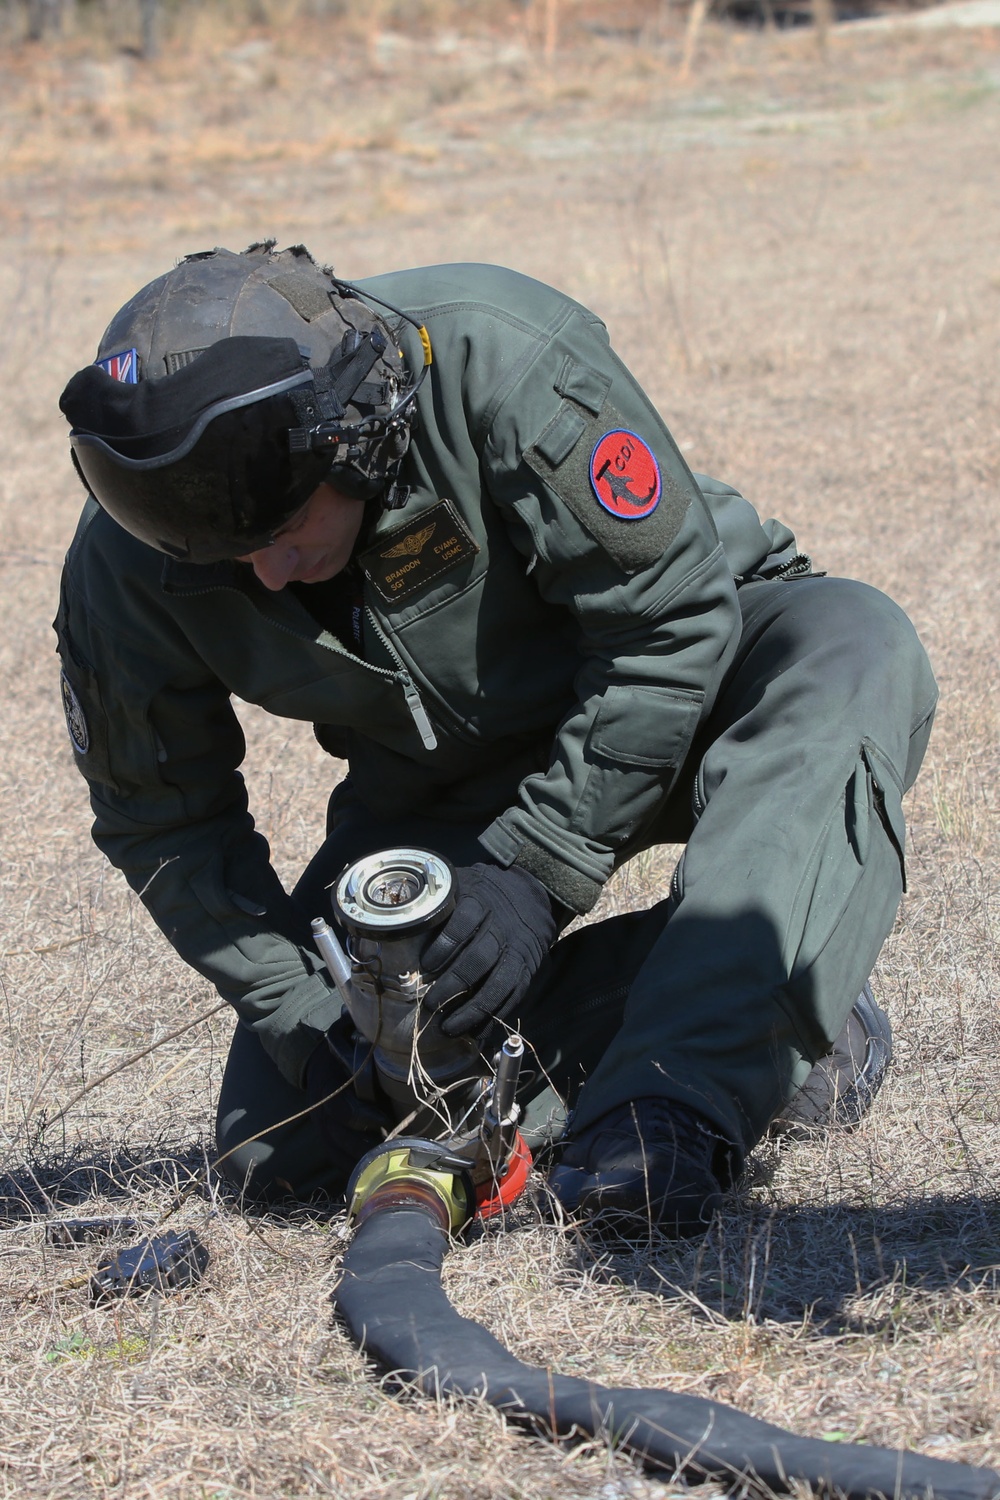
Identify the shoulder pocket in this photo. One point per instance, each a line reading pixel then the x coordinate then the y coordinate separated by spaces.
pixel 583 384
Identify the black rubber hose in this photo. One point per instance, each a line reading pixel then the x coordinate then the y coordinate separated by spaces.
pixel 391 1299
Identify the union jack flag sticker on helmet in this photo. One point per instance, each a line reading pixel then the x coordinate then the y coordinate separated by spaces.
pixel 123 366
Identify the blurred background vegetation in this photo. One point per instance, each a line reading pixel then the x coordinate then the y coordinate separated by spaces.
pixel 152 22
pixel 146 26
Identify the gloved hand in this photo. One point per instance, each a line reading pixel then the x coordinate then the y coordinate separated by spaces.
pixel 349 1124
pixel 490 947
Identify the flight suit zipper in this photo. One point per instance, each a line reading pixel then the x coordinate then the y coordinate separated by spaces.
pixel 414 702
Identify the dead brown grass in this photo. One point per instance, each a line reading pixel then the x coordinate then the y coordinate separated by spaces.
pixel 800 261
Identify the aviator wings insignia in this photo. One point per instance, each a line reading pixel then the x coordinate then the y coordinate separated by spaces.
pixel 412 544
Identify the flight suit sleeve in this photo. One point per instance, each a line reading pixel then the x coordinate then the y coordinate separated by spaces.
pixel 614 530
pixel 154 734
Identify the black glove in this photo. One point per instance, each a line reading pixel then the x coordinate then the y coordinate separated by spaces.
pixel 490 947
pixel 338 1076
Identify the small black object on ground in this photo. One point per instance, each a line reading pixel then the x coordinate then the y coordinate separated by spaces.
pixel 164 1263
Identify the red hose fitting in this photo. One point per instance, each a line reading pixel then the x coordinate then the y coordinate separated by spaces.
pixel 498 1193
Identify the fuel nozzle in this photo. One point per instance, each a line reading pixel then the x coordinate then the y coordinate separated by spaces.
pixel 455 1106
pixel 389 905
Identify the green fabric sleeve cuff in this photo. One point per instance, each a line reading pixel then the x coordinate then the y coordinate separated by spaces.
pixel 570 887
pixel 291 1032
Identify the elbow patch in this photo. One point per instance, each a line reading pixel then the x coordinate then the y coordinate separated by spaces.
pixel 80 695
pixel 86 722
pixel 86 719
pixel 630 494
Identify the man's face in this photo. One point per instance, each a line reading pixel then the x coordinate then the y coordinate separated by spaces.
pixel 314 545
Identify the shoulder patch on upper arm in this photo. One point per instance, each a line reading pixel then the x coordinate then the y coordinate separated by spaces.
pixel 630 497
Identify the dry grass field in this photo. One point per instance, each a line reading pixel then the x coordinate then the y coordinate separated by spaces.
pixel 799 254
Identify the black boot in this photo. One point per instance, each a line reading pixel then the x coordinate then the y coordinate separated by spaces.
pixel 841 1087
pixel 648 1163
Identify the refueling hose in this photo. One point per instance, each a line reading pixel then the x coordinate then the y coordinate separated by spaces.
pixel 391 1299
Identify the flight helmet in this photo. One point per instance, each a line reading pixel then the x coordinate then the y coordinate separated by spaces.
pixel 225 391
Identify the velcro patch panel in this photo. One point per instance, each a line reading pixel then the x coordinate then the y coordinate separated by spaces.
pixel 633 536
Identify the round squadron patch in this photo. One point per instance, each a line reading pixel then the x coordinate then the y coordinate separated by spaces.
pixel 76 719
pixel 625 476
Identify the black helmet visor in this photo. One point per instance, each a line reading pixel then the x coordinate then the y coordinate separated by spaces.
pixel 199 478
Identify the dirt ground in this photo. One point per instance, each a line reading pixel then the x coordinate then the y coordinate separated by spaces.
pixel 798 255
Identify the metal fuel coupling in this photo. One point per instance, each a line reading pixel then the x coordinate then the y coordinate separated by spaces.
pixel 416 1171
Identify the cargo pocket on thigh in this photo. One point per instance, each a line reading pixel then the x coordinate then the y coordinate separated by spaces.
pixel 846 902
pixel 887 800
pixel 833 871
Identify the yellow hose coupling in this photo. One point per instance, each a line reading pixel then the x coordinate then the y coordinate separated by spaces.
pixel 410 1171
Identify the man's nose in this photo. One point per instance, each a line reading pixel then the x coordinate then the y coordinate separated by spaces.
pixel 275 565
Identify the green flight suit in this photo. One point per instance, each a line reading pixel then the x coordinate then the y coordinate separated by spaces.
pixel 552 671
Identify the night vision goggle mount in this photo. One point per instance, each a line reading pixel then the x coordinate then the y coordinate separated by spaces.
pixel 343 381
pixel 323 411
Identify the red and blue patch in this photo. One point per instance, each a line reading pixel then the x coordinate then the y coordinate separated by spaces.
pixel 625 476
pixel 123 366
